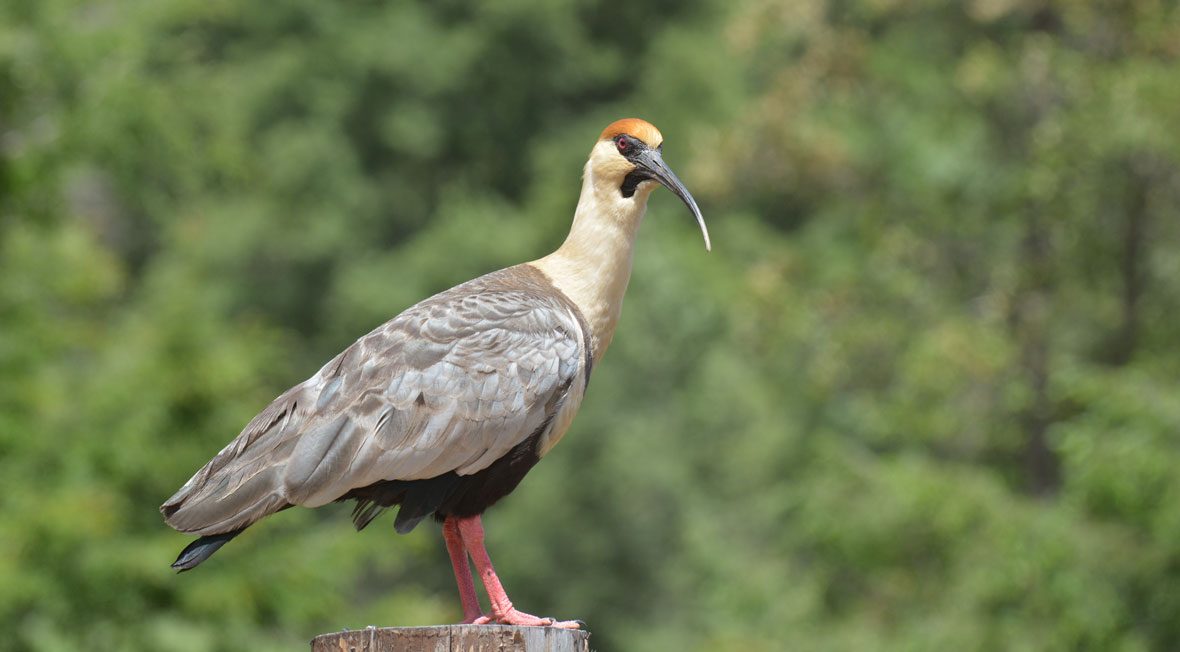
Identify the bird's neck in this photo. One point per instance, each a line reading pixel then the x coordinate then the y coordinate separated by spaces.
pixel 593 265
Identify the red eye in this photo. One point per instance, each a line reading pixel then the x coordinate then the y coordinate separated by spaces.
pixel 622 144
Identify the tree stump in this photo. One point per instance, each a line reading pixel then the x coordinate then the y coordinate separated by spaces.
pixel 454 638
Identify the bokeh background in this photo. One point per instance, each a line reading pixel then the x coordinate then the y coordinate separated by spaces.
pixel 923 395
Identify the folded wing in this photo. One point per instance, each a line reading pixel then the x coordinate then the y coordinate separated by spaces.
pixel 451 384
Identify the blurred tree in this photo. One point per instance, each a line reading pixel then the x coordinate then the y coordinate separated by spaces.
pixel 923 395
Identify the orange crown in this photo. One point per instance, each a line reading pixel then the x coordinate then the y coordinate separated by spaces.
pixel 641 129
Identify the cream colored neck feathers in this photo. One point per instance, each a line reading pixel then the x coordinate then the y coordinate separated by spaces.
pixel 593 265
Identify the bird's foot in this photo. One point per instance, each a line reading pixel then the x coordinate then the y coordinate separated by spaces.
pixel 521 619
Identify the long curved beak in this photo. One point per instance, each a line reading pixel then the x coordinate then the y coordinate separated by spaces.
pixel 651 162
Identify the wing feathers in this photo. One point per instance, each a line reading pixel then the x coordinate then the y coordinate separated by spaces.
pixel 447 387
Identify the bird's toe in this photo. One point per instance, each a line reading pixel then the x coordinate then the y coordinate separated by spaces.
pixel 521 619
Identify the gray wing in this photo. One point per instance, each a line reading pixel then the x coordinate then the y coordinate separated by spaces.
pixel 452 384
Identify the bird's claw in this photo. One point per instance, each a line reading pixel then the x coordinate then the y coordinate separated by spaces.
pixel 521 619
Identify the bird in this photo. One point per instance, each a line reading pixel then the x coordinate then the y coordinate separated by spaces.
pixel 442 410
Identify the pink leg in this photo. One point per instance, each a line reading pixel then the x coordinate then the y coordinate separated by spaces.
pixel 471 531
pixel 471 610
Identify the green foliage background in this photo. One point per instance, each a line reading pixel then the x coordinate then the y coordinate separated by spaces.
pixel 923 395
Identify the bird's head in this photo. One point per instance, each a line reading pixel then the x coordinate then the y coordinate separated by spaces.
pixel 628 157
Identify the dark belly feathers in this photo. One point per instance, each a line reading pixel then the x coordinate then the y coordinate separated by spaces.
pixel 446 495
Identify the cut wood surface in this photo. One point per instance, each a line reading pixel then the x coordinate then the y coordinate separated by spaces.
pixel 454 638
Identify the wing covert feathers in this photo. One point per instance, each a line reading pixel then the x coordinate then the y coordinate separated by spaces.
pixel 451 384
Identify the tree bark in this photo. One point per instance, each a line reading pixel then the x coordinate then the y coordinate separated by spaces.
pixel 1132 266
pixel 1033 322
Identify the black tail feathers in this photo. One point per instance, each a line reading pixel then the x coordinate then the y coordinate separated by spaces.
pixel 201 549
